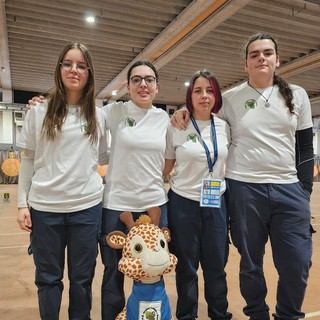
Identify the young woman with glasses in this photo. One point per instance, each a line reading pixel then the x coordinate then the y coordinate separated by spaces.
pixel 134 178
pixel 60 190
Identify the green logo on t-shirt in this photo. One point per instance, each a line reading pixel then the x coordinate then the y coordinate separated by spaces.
pixel 251 104
pixel 192 137
pixel 84 127
pixel 130 122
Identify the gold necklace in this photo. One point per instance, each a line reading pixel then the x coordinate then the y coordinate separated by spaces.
pixel 266 104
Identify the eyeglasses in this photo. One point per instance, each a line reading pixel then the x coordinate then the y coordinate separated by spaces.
pixel 68 65
pixel 149 80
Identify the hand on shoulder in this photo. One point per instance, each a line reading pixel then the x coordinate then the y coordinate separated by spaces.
pixel 32 102
pixel 180 119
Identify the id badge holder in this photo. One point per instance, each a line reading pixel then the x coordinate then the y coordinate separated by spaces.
pixel 210 193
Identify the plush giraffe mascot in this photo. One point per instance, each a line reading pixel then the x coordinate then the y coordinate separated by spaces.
pixel 145 258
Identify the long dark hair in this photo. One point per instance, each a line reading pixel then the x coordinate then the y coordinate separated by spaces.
pixel 283 85
pixel 57 103
pixel 214 86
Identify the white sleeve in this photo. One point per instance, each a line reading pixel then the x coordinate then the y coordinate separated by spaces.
pixel 170 151
pixel 103 141
pixel 25 174
pixel 305 115
pixel 223 112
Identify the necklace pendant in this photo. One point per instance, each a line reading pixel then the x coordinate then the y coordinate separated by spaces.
pixel 267 104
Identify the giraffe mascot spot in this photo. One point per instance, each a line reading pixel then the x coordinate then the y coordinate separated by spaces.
pixel 145 258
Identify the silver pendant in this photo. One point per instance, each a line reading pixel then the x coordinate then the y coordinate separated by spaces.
pixel 267 104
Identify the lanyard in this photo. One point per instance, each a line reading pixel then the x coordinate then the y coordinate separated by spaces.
pixel 214 142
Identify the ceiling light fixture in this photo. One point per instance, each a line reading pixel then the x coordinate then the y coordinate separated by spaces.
pixel 90 18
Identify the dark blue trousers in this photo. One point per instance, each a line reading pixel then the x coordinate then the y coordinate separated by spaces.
pixel 280 212
pixel 199 235
pixel 112 290
pixel 52 234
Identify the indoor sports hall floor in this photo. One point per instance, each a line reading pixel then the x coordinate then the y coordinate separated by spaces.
pixel 18 297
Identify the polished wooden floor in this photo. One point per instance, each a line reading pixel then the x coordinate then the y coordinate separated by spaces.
pixel 18 297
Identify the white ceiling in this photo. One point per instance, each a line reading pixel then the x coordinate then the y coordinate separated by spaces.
pixel 179 36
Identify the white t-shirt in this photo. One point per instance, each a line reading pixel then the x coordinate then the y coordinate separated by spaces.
pixel 65 170
pixel 263 139
pixel 191 165
pixel 134 178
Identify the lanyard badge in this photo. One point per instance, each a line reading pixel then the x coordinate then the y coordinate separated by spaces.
pixel 211 188
pixel 210 193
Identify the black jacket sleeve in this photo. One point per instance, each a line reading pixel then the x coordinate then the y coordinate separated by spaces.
pixel 305 157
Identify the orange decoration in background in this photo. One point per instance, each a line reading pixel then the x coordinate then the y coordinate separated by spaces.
pixel 11 166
